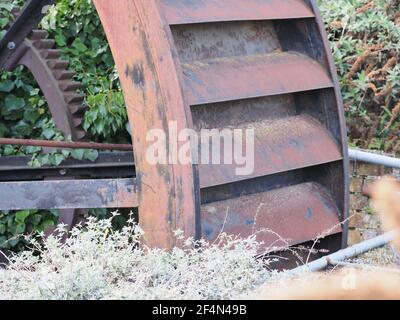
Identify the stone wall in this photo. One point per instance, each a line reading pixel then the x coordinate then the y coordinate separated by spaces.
pixel 364 223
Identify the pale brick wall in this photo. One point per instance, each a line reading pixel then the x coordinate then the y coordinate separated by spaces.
pixel 364 224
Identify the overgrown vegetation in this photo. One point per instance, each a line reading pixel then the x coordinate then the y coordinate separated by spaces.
pixel 100 263
pixel 365 38
pixel 76 28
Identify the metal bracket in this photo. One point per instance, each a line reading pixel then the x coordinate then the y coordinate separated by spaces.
pixel 107 166
pixel 69 194
pixel 30 17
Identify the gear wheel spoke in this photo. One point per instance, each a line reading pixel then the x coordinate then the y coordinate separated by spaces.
pixel 39 55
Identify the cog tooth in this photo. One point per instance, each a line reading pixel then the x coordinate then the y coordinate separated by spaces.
pixel 79 134
pixel 74 97
pixel 51 53
pixel 44 43
pixel 70 85
pixel 58 64
pixel 77 121
pixel 63 74
pixel 16 12
pixel 77 109
pixel 38 34
pixel 41 45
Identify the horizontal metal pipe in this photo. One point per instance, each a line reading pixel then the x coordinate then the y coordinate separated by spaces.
pixel 65 144
pixel 363 156
pixel 347 253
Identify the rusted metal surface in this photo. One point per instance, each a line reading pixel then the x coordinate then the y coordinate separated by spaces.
pixel 34 50
pixel 224 39
pixel 200 11
pixel 30 17
pixel 282 217
pixel 69 194
pixel 234 64
pixel 55 81
pixel 226 79
pixel 281 145
pixel 238 64
pixel 342 190
pixel 107 165
pixel 150 75
pixel 65 144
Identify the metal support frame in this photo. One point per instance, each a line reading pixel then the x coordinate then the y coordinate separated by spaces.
pixel 107 165
pixel 69 194
pixel 30 17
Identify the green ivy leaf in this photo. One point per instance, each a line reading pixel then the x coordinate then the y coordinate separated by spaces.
pixel 14 103
pixel 45 225
pixel 55 212
pixel 13 107
pixel 49 133
pixel 60 40
pixel 36 219
pixel 7 6
pixel 78 154
pixel 79 45
pixel 31 116
pixel 6 86
pixel 23 129
pixel 17 229
pixel 3 242
pixel 13 242
pixel 91 155
pixel 3 130
pixel 56 159
pixel 20 216
pixel 8 150
pixel 32 149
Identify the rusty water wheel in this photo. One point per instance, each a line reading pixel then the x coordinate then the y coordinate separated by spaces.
pixel 39 55
pixel 263 64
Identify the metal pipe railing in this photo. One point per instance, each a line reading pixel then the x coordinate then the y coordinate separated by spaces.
pixel 363 156
pixel 347 253
pixel 65 144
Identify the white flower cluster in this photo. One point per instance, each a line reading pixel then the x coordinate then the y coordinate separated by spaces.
pixel 95 262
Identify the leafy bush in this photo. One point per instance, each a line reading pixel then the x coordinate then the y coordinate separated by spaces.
pixel 24 112
pixel 75 26
pixel 365 38
pixel 99 263
pixel 13 225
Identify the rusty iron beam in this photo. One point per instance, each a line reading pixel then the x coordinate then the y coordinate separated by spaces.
pixel 201 11
pixel 328 61
pixel 65 144
pixel 149 70
pixel 226 79
pixel 283 145
pixel 108 165
pixel 290 216
pixel 68 194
